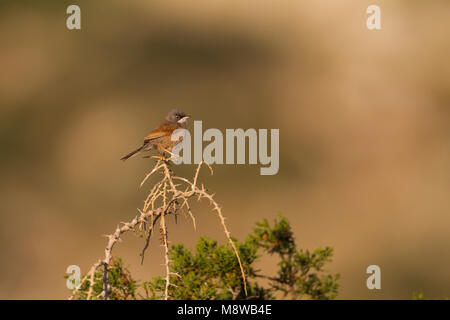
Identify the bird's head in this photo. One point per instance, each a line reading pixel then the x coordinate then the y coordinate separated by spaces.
pixel 177 116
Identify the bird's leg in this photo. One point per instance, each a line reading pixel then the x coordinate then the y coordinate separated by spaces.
pixel 176 156
pixel 160 157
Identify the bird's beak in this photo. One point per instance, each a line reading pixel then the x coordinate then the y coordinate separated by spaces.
pixel 184 119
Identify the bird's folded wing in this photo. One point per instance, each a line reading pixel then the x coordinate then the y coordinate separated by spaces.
pixel 155 135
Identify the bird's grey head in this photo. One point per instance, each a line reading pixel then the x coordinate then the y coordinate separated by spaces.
pixel 177 116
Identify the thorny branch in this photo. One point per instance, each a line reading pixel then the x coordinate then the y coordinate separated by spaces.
pixel 166 197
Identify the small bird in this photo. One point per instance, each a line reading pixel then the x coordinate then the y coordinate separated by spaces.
pixel 160 138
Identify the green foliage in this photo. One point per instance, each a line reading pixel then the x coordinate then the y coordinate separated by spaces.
pixel 122 285
pixel 211 271
pixel 301 274
pixel 418 296
pixel 421 296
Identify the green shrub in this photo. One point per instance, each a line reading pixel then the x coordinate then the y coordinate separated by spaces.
pixel 211 271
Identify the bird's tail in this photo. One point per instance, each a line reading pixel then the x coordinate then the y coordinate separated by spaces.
pixel 132 153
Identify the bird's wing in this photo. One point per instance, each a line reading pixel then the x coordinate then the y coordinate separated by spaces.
pixel 163 130
pixel 155 134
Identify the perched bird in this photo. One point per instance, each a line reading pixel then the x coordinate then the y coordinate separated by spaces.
pixel 160 138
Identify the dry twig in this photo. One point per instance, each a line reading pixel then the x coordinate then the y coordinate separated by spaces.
pixel 165 198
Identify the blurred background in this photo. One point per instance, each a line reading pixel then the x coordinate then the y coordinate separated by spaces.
pixel 364 123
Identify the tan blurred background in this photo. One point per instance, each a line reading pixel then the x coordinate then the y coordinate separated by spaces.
pixel 364 123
